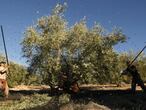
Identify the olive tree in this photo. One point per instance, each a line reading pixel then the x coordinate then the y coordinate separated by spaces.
pixel 51 44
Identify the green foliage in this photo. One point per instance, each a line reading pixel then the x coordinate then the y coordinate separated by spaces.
pixel 17 75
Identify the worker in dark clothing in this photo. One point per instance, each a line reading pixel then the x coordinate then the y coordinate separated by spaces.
pixel 136 79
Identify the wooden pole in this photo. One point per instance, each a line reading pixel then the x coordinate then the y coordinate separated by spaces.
pixel 137 56
pixel 4 45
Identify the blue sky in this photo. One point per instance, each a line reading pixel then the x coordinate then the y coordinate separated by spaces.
pixel 17 15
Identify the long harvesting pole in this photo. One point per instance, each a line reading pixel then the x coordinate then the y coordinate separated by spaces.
pixel 137 55
pixel 4 45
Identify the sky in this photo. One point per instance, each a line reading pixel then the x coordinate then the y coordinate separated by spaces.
pixel 17 15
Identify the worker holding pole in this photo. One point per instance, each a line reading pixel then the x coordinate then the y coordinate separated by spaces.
pixel 132 70
pixel 4 70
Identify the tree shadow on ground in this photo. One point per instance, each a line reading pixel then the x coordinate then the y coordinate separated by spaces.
pixel 112 99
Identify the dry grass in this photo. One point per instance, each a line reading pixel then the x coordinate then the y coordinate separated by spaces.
pixel 19 102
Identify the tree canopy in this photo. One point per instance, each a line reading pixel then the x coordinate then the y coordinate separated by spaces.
pixel 88 51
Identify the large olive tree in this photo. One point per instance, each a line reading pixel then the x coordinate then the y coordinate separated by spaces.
pixel 51 44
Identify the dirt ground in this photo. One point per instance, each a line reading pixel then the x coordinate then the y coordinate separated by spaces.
pixel 83 86
pixel 111 97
